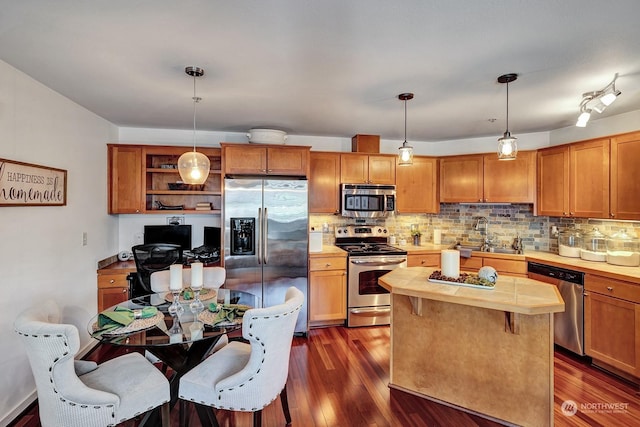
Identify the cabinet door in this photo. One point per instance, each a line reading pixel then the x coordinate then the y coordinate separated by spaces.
pixel 553 181
pixel 382 169
pixel 612 332
pixel 244 159
pixel 625 177
pixel 327 295
pixel 290 161
pixel 324 182
pixel 510 181
pixel 417 186
pixel 109 297
pixel 125 179
pixel 354 168
pixel 461 179
pixel 589 179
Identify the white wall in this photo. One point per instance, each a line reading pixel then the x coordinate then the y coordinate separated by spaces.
pixel 41 252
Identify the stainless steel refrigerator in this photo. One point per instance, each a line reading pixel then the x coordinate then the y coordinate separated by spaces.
pixel 266 238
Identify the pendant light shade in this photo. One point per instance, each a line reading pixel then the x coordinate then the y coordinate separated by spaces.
pixel 507 145
pixel 192 165
pixel 405 153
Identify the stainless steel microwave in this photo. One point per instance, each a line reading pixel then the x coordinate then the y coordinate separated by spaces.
pixel 367 200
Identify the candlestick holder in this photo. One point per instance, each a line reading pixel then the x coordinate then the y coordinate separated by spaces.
pixel 176 308
pixel 196 305
pixel 175 332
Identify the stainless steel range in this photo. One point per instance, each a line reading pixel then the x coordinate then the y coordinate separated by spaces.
pixel 370 257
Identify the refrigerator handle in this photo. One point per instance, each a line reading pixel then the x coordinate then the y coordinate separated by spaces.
pixel 260 236
pixel 266 234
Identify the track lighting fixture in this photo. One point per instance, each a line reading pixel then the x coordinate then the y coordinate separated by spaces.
pixel 507 145
pixel 405 153
pixel 597 101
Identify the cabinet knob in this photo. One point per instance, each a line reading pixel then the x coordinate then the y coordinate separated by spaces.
pixel 112 281
pixel 124 290
pixel 564 214
pixel 610 288
pixel 422 261
pixel 571 213
pixel 479 200
pixel 328 264
pixel 612 215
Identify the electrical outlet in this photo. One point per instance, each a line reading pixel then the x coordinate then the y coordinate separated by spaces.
pixel 84 238
pixel 139 238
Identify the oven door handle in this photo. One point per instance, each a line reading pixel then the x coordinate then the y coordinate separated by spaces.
pixel 377 263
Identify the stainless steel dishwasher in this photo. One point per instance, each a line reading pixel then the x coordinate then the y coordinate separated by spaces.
pixel 569 325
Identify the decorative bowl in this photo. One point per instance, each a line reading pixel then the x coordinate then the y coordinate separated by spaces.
pixel 267 136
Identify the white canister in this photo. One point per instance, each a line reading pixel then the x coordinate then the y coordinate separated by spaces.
pixel 450 262
pixel 315 241
pixel 392 240
pixel 437 236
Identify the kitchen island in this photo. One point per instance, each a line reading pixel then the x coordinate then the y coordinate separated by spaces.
pixel 487 351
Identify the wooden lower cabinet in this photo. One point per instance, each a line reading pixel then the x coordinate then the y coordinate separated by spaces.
pixel 112 289
pixel 327 290
pixel 612 324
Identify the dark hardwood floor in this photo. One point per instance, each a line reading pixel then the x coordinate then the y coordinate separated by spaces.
pixel 339 377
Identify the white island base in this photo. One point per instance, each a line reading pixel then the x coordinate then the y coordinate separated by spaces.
pixel 489 352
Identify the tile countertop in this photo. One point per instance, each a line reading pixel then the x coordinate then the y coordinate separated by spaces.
pixel 630 274
pixel 512 294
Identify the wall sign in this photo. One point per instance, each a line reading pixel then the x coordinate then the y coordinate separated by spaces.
pixel 25 184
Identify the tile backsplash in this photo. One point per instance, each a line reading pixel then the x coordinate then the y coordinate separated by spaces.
pixel 505 221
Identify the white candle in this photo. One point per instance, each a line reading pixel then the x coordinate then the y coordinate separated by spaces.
pixel 450 263
pixel 175 282
pixel 196 275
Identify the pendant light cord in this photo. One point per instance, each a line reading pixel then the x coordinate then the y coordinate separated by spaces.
pixel 405 121
pixel 507 107
pixel 195 101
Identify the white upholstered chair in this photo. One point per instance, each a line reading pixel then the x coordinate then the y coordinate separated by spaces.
pixel 248 377
pixel 81 393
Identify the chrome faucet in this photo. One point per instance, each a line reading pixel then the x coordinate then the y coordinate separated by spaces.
pixel 482 225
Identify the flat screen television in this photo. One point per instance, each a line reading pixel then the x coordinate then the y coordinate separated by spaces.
pixel 173 234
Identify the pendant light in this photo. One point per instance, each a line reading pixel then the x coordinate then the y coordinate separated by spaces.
pixel 194 166
pixel 405 153
pixel 507 145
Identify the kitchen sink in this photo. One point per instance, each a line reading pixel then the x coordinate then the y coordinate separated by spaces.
pixel 477 248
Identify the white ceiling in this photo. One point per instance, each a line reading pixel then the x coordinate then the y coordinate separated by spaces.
pixel 330 67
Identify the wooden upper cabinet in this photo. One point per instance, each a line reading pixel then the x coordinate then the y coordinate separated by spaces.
pixel 573 180
pixel 417 186
pixel 324 182
pixel 140 179
pixel 589 179
pixel 125 179
pixel 356 168
pixel 461 179
pixel 553 181
pixel 625 176
pixel 510 181
pixel 485 179
pixel 251 159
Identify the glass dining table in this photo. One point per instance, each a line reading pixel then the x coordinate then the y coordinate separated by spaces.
pixel 181 341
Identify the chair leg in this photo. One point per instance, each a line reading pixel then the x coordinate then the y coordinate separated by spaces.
pixel 257 418
pixel 166 414
pixel 285 404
